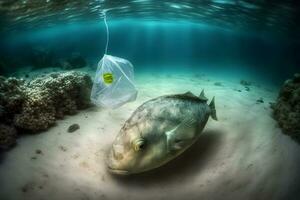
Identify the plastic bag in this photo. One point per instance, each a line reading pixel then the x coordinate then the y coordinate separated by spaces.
pixel 113 85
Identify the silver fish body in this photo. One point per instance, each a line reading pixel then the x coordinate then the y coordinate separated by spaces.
pixel 158 131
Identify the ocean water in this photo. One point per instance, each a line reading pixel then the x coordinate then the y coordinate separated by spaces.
pixel 175 47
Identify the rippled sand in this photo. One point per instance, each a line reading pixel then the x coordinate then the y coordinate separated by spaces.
pixel 241 156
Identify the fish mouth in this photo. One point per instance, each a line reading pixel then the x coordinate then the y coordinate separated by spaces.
pixel 117 171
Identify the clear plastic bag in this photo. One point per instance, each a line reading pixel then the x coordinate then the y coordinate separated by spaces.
pixel 113 85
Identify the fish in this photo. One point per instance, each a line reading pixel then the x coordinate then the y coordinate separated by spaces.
pixel 158 131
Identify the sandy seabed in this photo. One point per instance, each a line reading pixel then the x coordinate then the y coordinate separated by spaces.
pixel 244 155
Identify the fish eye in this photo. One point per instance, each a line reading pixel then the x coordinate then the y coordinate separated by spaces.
pixel 139 144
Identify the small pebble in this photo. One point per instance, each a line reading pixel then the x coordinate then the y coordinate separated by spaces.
pixel 218 84
pixel 73 128
pixel 38 151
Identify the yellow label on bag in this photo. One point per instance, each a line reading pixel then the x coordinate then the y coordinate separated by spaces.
pixel 108 78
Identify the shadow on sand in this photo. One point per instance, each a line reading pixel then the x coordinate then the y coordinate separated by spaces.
pixel 185 165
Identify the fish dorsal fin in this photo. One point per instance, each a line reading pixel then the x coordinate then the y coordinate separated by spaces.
pixel 202 96
pixel 176 139
pixel 189 94
pixel 212 107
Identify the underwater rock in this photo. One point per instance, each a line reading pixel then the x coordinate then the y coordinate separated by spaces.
pixel 51 97
pixel 287 108
pixel 35 105
pixel 8 136
pixel 11 97
pixel 73 128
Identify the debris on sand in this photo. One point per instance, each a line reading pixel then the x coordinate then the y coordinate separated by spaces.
pixel 245 83
pixel 287 108
pixel 247 88
pixel 64 149
pixel 33 158
pixel 38 151
pixel 73 128
pixel 28 187
pixel 218 84
pixel 260 100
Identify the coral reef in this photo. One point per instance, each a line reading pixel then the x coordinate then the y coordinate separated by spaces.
pixel 51 97
pixel 287 108
pixel 11 97
pixel 35 105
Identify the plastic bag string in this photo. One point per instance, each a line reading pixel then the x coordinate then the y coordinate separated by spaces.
pixel 107 34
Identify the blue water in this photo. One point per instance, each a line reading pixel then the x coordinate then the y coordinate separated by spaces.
pixel 167 45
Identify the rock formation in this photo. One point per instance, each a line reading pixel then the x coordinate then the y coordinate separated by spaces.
pixel 35 105
pixel 287 108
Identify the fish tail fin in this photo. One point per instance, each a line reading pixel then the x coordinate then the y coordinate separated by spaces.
pixel 212 107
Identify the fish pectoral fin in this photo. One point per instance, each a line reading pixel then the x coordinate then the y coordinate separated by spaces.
pixel 178 137
pixel 179 144
pixel 180 129
pixel 177 147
